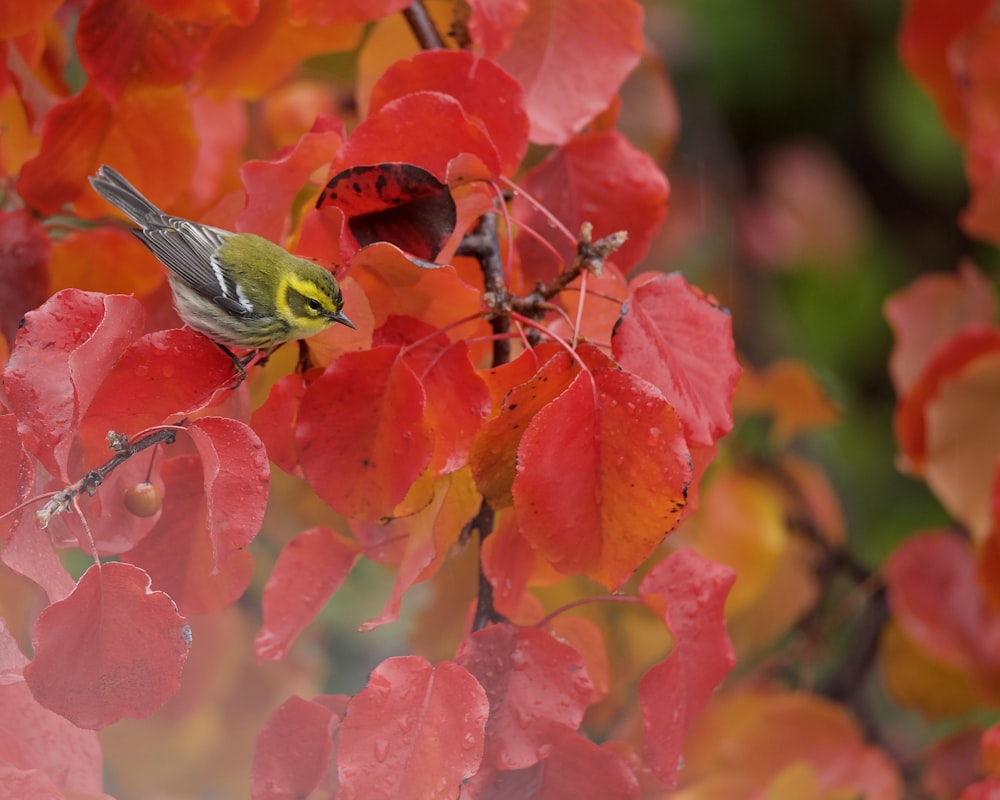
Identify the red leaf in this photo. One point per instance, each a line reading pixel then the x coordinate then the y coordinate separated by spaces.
pixel 582 182
pixel 24 265
pixel 537 687
pixel 61 354
pixel 17 474
pixel 602 476
pixel 574 768
pixel 493 23
pixel 509 562
pixel 293 750
pixel 178 554
pixel 274 422
pixel 457 400
pixel 113 648
pixel 398 203
pixel 153 382
pixel 361 434
pixel 413 731
pixel 428 129
pixel 29 552
pixel 485 91
pixel 963 632
pixel 928 38
pixel 272 186
pixel 309 570
pixel 681 341
pixel 675 691
pixel 928 312
pixel 34 738
pixel 571 57
pixel 237 475
pixel 123 41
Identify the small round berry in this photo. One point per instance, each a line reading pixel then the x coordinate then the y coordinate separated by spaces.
pixel 143 499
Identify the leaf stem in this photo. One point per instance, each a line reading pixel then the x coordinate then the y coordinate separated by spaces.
pixel 607 598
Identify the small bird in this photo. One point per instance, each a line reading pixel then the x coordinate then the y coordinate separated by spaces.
pixel 238 289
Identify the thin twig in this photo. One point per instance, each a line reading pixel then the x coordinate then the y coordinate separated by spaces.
pixel 124 450
pixel 423 27
pixel 590 257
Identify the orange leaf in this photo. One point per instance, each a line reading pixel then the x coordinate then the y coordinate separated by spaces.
pixel 124 41
pixel 396 286
pixel 947 360
pixel 754 736
pixel 429 535
pixel 109 260
pixel 493 457
pixel 247 60
pixel 963 439
pixel 790 394
pixel 602 476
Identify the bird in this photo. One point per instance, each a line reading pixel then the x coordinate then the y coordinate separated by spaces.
pixel 238 289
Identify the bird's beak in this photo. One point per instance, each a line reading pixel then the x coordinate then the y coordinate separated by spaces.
pixel 343 320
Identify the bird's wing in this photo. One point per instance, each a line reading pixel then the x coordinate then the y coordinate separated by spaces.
pixel 190 251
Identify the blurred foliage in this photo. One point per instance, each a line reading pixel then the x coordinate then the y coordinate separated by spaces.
pixel 755 82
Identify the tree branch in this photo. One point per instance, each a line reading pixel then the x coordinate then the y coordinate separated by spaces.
pixel 590 257
pixel 422 25
pixel 124 450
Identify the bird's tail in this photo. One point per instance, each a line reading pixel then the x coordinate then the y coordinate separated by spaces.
pixel 112 186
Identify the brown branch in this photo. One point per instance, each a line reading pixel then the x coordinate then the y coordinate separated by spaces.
pixel 486 613
pixel 590 257
pixel 124 450
pixel 483 244
pixel 423 27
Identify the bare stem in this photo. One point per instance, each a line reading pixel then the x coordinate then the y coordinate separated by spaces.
pixel 422 26
pixel 590 257
pixel 63 499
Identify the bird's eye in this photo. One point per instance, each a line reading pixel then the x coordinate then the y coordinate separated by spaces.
pixel 314 304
